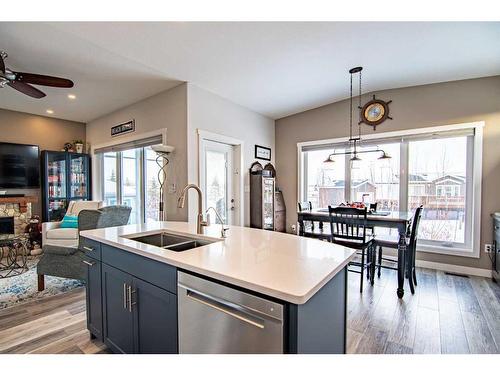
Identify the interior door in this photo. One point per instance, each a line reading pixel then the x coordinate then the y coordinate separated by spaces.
pixel 218 180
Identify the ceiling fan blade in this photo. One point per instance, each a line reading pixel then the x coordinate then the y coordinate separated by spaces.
pixel 26 89
pixel 38 79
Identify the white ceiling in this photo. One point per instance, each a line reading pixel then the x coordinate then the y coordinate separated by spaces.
pixel 276 69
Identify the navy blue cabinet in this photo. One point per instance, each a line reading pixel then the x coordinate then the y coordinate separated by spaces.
pixel 137 316
pixel 155 319
pixel 117 313
pixel 94 297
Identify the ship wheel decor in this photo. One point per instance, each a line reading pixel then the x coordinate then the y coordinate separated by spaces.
pixel 375 112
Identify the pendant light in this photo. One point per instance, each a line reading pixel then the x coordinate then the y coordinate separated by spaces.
pixel 354 141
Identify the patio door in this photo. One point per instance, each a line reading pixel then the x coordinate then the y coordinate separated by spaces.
pixel 218 180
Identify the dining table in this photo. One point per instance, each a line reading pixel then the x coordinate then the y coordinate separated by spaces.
pixel 399 220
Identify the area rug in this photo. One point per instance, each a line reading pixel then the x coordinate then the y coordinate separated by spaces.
pixel 23 288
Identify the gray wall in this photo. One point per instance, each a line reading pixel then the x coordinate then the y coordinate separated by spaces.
pixel 413 107
pixel 210 112
pixel 165 110
pixel 48 133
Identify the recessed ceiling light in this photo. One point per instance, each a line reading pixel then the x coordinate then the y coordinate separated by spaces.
pixel 71 96
pixel 49 111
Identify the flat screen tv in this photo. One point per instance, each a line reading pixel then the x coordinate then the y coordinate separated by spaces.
pixel 19 166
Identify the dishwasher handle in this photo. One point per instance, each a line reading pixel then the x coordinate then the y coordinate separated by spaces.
pixel 234 310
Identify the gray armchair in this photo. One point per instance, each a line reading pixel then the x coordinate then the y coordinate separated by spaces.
pixel 67 261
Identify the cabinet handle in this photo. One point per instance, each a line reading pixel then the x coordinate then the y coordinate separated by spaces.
pixel 88 248
pixel 130 303
pixel 125 296
pixel 88 263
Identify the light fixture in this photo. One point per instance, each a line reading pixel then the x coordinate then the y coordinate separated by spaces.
pixel 162 153
pixel 384 156
pixel 49 111
pixel 329 159
pixel 354 142
pixel 71 96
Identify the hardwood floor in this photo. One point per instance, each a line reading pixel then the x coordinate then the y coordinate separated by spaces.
pixel 447 314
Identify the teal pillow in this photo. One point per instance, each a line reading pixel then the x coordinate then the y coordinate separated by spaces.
pixel 69 221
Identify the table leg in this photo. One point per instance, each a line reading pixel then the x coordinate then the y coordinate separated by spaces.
pixel 41 283
pixel 301 226
pixel 401 263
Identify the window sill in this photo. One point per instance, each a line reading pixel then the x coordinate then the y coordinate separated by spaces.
pixel 454 251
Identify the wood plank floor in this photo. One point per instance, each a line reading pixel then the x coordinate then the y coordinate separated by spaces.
pixel 447 314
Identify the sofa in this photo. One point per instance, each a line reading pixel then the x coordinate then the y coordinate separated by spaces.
pixel 62 261
pixel 53 234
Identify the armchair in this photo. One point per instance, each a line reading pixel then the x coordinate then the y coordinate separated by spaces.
pixel 53 234
pixel 67 262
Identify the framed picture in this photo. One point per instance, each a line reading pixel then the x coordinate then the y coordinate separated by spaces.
pixel 262 152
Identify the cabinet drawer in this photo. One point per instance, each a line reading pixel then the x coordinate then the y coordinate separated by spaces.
pixel 90 248
pixel 156 273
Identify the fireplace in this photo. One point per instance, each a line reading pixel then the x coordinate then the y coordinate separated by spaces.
pixel 7 225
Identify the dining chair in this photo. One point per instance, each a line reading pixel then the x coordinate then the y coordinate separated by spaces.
pixel 392 243
pixel 348 228
pixel 310 229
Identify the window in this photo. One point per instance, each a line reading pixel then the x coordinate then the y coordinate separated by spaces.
pixel 325 182
pixel 130 177
pixel 374 180
pixel 110 179
pixel 435 168
pixel 439 167
pixel 130 183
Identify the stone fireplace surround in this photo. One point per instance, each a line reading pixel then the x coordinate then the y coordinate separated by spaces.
pixel 19 208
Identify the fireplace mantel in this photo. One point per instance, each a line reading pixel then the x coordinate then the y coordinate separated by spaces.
pixel 21 201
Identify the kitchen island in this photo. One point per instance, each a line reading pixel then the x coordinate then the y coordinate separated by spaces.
pixel 161 288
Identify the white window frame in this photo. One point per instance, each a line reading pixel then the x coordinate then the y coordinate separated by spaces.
pixel 473 201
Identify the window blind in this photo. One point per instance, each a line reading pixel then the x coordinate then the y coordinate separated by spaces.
pixel 396 139
pixel 145 142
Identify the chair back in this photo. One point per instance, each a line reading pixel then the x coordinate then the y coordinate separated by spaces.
pixel 110 216
pixel 348 224
pixel 304 206
pixel 414 227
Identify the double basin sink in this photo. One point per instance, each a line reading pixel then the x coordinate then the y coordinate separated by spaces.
pixel 171 241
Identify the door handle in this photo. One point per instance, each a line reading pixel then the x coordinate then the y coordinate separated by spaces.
pixel 88 263
pixel 88 248
pixel 227 308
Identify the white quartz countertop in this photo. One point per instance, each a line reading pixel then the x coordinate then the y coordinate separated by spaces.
pixel 280 265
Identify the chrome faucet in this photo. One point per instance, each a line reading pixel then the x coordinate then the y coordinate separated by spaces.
pixel 223 230
pixel 200 223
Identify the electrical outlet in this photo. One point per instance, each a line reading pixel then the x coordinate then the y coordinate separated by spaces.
pixel 488 248
pixel 293 228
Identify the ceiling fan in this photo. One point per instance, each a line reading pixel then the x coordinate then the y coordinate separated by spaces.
pixel 21 81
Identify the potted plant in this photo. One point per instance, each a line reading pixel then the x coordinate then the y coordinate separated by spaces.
pixel 78 146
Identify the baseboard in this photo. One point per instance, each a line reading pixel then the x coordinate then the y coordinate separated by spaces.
pixel 463 270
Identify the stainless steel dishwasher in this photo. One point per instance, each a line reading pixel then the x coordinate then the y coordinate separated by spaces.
pixel 217 319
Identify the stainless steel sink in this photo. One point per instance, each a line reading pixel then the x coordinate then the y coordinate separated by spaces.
pixel 172 242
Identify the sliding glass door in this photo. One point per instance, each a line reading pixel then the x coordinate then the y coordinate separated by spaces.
pixel 130 177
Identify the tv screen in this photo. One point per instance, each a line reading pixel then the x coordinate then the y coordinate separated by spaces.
pixel 19 166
